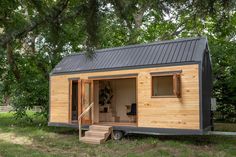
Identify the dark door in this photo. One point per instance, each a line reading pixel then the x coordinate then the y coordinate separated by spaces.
pixel 74 115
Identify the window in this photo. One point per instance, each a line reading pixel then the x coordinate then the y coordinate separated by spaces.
pixel 166 85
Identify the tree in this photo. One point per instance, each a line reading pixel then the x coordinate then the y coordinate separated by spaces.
pixel 35 35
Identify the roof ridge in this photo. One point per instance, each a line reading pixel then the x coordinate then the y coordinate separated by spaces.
pixel 140 45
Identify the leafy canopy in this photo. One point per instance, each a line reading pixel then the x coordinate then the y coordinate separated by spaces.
pixel 35 35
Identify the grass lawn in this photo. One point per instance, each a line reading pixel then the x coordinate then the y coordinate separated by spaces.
pixel 228 127
pixel 37 140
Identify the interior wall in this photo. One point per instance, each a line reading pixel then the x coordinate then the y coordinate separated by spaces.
pixel 124 94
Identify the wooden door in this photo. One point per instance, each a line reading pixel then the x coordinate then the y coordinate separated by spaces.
pixel 87 99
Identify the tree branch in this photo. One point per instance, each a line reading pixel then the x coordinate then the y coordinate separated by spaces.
pixel 138 16
pixel 11 62
pixel 54 14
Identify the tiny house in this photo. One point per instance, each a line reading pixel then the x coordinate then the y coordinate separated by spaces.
pixel 156 88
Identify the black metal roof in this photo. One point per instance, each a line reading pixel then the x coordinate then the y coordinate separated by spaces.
pixel 158 53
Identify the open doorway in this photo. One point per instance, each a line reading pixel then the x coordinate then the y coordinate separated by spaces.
pixel 74 102
pixel 81 96
pixel 117 101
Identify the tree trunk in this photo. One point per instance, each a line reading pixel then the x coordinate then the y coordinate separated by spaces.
pixel 10 58
pixel 6 100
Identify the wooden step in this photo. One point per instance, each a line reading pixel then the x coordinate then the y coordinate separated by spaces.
pixel 96 133
pixel 92 140
pixel 100 128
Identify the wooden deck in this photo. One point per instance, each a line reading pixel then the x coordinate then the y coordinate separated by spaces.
pixel 133 124
pixel 117 124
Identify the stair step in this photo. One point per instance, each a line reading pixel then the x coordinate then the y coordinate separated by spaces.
pixel 95 133
pixel 92 140
pixel 100 128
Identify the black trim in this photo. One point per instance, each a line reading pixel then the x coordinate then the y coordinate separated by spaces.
pixel 206 90
pixel 63 125
pixel 166 72
pixel 73 78
pixel 49 103
pixel 69 99
pixel 200 95
pixel 124 68
pixel 157 131
pixel 114 76
pixel 139 130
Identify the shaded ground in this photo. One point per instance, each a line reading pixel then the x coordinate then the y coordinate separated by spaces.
pixel 13 138
pixel 225 127
pixel 35 139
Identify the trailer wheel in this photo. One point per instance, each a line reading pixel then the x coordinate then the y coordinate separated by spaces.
pixel 117 135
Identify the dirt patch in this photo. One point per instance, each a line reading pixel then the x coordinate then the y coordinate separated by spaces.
pixel 12 138
pixel 144 148
pixel 148 147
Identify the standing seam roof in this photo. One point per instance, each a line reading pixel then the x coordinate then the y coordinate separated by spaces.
pixel 157 53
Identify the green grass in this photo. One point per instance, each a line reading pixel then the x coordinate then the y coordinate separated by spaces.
pixel 22 138
pixel 230 127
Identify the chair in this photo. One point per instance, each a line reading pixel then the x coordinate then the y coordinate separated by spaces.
pixel 133 110
pixel 132 113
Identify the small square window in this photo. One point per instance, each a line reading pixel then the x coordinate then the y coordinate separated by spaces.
pixel 166 85
pixel 162 85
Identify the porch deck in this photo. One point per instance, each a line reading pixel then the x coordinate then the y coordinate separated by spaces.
pixel 133 124
pixel 117 124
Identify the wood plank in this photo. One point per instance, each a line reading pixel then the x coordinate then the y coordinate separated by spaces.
pixel 117 123
pixel 184 107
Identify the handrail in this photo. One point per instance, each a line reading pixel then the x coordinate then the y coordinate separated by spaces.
pixel 85 111
pixel 81 116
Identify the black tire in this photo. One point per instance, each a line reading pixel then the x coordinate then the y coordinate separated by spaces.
pixel 117 135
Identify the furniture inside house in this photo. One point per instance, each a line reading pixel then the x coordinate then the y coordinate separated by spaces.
pixel 132 112
pixel 106 114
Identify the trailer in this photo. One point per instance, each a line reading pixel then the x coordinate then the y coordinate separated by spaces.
pixel 156 88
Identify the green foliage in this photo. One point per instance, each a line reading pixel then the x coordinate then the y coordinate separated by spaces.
pixel 224 71
pixel 32 89
pixel 35 35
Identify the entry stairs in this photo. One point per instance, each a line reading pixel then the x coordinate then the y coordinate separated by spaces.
pixel 97 134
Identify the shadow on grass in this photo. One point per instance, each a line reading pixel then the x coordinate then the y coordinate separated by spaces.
pixel 30 125
pixel 9 123
pixel 197 140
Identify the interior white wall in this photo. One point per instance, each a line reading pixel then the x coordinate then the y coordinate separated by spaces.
pixel 124 94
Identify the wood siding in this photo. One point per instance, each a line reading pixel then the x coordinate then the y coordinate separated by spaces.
pixel 168 112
